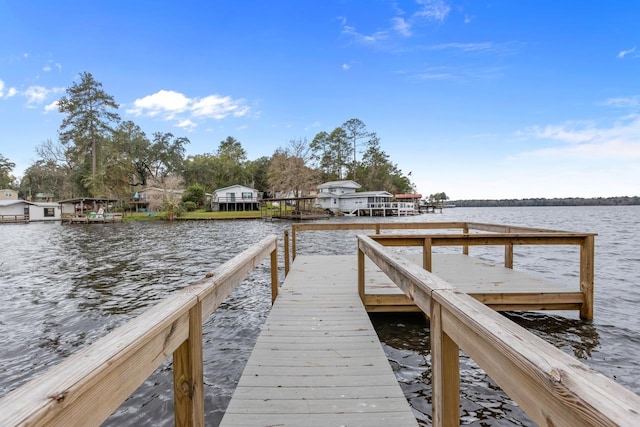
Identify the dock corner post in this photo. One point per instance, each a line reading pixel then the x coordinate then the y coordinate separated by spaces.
pixel 377 228
pixel 465 248
pixel 587 250
pixel 286 252
pixel 188 394
pixel 426 254
pixel 293 242
pixel 274 273
pixel 508 255
pixel 361 274
pixel 445 367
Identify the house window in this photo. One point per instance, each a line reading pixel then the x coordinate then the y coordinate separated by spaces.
pixel 49 212
pixel 8 194
pixel 247 195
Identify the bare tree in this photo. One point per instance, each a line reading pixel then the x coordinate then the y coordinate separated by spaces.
pixel 289 172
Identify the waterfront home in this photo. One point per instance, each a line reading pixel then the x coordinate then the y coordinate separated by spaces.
pixel 341 196
pixel 44 211
pixel 14 210
pixel 235 198
pixel 7 194
pixel 154 198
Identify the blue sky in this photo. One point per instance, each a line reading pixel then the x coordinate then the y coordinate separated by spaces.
pixel 479 99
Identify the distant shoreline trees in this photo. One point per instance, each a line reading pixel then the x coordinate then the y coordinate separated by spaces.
pixel 568 201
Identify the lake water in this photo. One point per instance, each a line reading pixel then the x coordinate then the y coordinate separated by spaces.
pixel 63 287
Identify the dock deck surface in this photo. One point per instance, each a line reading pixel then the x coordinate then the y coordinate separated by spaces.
pixel 318 360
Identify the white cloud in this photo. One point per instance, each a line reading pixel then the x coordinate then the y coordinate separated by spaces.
pixel 11 92
pixel 619 141
pixel 1 88
pixel 632 101
pixel 187 124
pixel 217 107
pixel 401 26
pixel 430 10
pixel 346 67
pixel 433 9
pixel 363 38
pixel 35 94
pixel 170 105
pixel 51 107
pixel 46 68
pixel 624 53
pixel 164 102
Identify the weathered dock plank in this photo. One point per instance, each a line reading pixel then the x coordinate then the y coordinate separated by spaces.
pixel 318 360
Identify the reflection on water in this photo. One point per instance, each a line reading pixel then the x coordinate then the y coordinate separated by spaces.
pixel 63 287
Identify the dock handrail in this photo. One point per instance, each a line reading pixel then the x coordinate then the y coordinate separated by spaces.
pixel 465 228
pixel 584 240
pixel 87 387
pixel 551 387
pixel 495 234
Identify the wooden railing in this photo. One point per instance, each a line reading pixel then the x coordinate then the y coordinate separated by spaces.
pixel 549 385
pixel 502 235
pixel 464 227
pixel 14 218
pixel 87 387
pixel 509 240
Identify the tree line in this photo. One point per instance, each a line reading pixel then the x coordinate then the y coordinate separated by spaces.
pixel 97 154
pixel 568 201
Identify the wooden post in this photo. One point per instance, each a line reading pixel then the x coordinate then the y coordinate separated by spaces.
pixel 587 249
pixel 508 255
pixel 426 254
pixel 274 274
pixel 286 252
pixel 377 228
pixel 188 397
pixel 465 248
pixel 293 242
pixel 361 274
pixel 445 368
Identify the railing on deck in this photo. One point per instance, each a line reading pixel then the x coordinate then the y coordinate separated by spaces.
pixel 506 235
pixel 88 386
pixel 550 386
pixel 14 218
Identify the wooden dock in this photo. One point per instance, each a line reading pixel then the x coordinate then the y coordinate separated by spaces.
pixel 318 360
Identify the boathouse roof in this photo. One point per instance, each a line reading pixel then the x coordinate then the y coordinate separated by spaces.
pixel 340 184
pixel 366 194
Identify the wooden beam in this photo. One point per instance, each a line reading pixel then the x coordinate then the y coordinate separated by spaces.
pixel 445 373
pixel 587 276
pixel 286 252
pixel 188 394
pixel 274 274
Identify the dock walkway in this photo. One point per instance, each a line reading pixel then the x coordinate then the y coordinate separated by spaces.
pixel 318 360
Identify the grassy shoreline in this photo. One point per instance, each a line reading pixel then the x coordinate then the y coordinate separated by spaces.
pixel 195 215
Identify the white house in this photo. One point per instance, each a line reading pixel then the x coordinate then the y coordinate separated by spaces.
pixel 235 198
pixel 341 196
pixel 14 211
pixel 44 211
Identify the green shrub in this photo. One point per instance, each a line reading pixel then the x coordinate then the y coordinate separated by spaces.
pixel 189 206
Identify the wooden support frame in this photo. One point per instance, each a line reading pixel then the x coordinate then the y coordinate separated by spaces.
pixel 552 387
